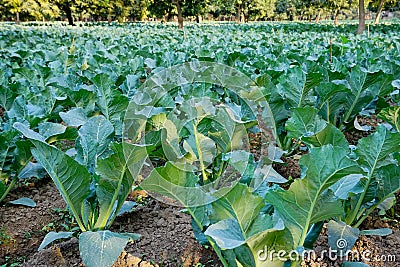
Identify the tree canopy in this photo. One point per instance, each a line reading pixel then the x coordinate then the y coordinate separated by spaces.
pixel 239 10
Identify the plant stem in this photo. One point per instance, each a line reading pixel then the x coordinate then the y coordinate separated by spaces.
pixel 212 243
pixel 396 117
pixel 348 114
pixel 10 186
pixel 111 206
pixel 353 215
pixel 294 148
pixel 202 166
pixel 369 211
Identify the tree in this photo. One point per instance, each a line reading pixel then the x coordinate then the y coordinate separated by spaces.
pixel 288 7
pixel 361 14
pixel 379 11
pixel 254 9
pixel 65 5
pixel 379 5
pixel 140 9
pixel 245 9
pixel 161 8
pixel 337 6
pixel 178 4
pixel 195 8
pixel 314 7
pixel 47 10
pixel 18 6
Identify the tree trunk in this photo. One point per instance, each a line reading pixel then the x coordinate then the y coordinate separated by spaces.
pixel 337 16
pixel 318 16
pixel 361 24
pixel 180 17
pixel 18 21
pixel 239 13
pixel 379 11
pixel 68 13
pixel 198 19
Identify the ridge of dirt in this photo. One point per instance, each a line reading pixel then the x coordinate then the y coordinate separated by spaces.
pixel 166 239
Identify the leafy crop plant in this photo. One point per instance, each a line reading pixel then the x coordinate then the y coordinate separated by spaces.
pixel 94 185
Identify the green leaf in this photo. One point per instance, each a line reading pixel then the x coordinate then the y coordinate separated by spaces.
pixel 24 201
pixel 93 141
pixel 348 185
pixel 28 133
pixel 22 155
pixel 70 134
pixel 102 248
pixel 177 180
pixel 115 180
pixel 200 144
pixel 26 73
pixel 74 117
pixel 226 233
pixel 313 234
pixel 396 84
pixel 296 86
pixel 32 170
pixel 18 108
pixel 305 202
pixel 363 88
pixel 354 264
pixel 304 122
pixel 244 256
pixel 239 222
pixel 342 237
pixel 53 236
pixel 132 236
pixel 329 135
pixel 7 97
pixel 388 178
pixel 392 116
pixel 3 187
pixel 374 150
pixel 71 178
pixel 378 232
pixel 48 129
pixel 239 200
pixel 229 234
pixel 110 101
pixel 331 99
pixel 127 207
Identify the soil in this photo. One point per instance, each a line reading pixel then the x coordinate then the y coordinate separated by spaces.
pixel 166 236
pixel 2 110
pixel 166 239
pixel 290 168
pixel 22 226
pixel 353 135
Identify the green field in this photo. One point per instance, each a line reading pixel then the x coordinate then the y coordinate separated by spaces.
pixel 89 105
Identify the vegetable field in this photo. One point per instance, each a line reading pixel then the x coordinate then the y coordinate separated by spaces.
pixel 218 145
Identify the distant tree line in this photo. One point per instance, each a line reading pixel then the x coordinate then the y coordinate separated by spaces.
pixel 196 10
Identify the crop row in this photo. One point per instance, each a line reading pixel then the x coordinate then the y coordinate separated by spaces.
pixel 97 108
